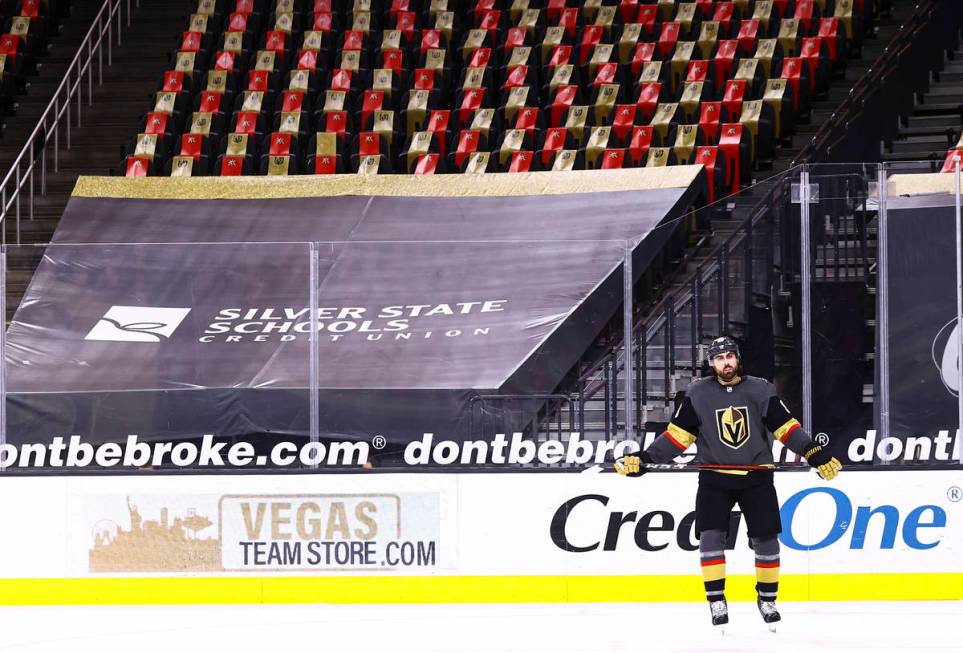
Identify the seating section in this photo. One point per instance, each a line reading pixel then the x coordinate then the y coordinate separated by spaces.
pixel 26 28
pixel 282 87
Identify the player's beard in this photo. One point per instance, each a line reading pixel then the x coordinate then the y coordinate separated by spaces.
pixel 727 374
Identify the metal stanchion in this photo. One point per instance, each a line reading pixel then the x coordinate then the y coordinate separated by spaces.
pixel 805 275
pixel 3 351
pixel 627 284
pixel 313 346
pixel 882 290
pixel 959 307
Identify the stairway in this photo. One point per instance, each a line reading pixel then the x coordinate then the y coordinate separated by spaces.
pixel 118 106
pixel 937 119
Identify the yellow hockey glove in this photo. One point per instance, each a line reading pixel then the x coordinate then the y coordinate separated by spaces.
pixel 631 465
pixel 827 466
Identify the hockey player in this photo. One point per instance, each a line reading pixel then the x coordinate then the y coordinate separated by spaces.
pixel 731 417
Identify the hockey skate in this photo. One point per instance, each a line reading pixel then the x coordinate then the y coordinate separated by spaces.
pixel 720 614
pixel 769 613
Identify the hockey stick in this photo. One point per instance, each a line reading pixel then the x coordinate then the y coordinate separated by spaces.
pixel 654 467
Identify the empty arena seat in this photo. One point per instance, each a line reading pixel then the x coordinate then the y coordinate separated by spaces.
pixel 795 70
pixel 326 155
pixel 808 13
pixel 816 53
pixel 415 147
pixel 231 165
pixel 151 147
pixel 279 165
pixel 161 125
pixel 659 157
pixel 598 140
pixel 715 165
pixel 729 17
pixel 198 147
pixel 555 140
pixel 651 95
pixel 711 116
pixel 779 95
pixel 789 35
pixel 724 61
pixel 759 118
pixel 368 146
pixel 735 144
pixel 240 144
pixel 642 138
pixel 138 166
pixel 667 116
pixel 641 54
pixel 694 94
pixel 685 143
pixel 834 35
pixel 514 140
pixel 478 163
pixel 485 85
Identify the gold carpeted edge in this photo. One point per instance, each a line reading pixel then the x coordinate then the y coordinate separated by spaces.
pixel 923 184
pixel 492 184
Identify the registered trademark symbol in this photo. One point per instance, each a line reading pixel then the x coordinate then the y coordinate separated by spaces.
pixel 822 439
pixel 954 494
pixel 379 442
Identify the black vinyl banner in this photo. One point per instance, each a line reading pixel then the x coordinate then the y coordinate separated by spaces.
pixel 170 318
pixel 923 334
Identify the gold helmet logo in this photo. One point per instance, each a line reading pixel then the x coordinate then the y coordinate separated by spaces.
pixel 733 425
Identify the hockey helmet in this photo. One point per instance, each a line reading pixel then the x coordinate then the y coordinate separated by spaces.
pixel 721 346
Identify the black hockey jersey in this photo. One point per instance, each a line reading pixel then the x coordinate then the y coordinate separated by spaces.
pixel 732 425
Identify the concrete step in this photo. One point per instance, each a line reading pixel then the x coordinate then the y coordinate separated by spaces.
pixel 934 121
pixel 950 133
pixel 106 126
pixel 919 144
pixel 944 95
pixel 953 66
pixel 949 77
pixel 916 155
pixel 937 108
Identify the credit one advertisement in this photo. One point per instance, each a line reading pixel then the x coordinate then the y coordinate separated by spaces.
pixel 474 525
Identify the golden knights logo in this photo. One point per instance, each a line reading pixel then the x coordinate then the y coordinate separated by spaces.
pixel 732 424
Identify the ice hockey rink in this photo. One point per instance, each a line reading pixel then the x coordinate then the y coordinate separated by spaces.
pixel 882 627
pixel 494 584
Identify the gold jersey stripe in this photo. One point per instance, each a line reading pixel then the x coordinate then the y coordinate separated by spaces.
pixel 783 431
pixel 680 436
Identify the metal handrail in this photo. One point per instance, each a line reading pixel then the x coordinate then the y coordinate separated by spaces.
pixel 22 172
pixel 710 264
pixel 836 127
pixel 657 318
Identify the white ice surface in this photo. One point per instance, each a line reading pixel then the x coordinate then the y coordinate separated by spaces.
pixel 883 627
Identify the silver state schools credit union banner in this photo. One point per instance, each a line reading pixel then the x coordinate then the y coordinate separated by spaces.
pixel 175 308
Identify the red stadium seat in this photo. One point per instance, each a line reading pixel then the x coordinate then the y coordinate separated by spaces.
pixel 138 166
pixel 714 164
pixel 735 143
pixel 952 156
